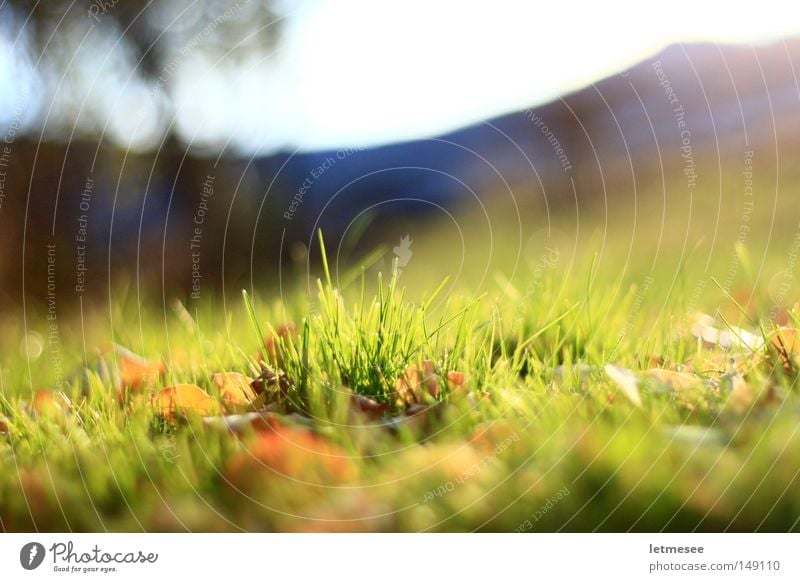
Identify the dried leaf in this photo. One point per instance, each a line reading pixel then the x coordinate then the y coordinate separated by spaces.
pixel 415 384
pixel 430 379
pixel 50 404
pixel 271 386
pixel 183 399
pixel 368 407
pixel 135 372
pixel 407 386
pixel 456 381
pixel 625 381
pixel 234 388
pixel 786 343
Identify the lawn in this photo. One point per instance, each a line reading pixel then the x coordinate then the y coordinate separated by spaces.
pixel 589 388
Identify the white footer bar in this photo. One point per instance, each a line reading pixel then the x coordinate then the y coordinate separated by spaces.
pixel 354 557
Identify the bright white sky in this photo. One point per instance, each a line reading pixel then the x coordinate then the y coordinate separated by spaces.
pixel 374 71
pixel 367 72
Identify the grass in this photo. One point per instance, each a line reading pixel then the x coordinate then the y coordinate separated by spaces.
pixel 491 411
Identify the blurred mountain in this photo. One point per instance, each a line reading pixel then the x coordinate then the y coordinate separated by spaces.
pixel 688 103
pixel 681 120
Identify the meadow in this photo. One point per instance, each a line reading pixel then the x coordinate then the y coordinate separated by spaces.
pixel 617 373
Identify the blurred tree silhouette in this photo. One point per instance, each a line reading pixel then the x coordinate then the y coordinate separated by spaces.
pixel 85 76
pixel 91 54
pixel 154 30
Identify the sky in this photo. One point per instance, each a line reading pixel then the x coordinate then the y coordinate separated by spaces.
pixel 359 73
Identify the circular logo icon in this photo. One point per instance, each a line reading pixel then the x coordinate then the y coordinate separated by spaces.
pixel 31 555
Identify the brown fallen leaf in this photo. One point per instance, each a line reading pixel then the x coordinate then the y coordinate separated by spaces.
pixel 184 399
pixel 135 372
pixel 456 381
pixel 368 407
pixel 415 385
pixel 430 379
pixel 271 386
pixel 235 389
pixel 787 344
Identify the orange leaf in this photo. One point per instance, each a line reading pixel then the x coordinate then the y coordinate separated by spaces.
pixel 184 399
pixel 234 388
pixel 786 342
pixel 50 404
pixel 407 386
pixel 456 381
pixel 136 372
pixel 414 384
pixel 430 378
